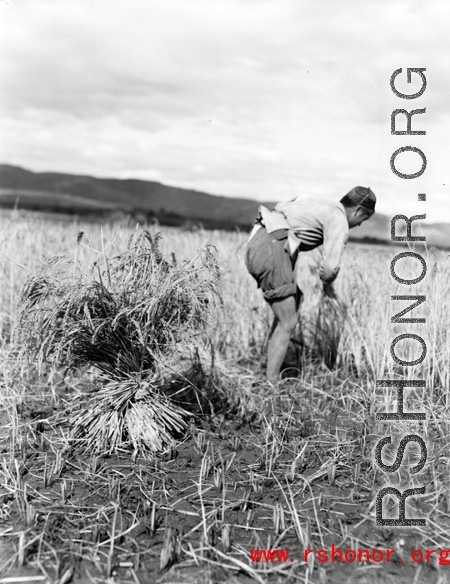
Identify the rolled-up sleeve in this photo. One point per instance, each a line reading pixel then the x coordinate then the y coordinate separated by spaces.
pixel 335 237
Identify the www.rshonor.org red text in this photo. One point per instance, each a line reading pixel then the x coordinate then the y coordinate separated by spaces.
pixel 335 555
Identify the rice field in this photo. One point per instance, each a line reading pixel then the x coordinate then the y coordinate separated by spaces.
pixel 256 467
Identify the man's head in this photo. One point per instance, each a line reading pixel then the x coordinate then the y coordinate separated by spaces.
pixel 359 205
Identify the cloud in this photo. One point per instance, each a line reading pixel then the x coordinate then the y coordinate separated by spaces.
pixel 263 99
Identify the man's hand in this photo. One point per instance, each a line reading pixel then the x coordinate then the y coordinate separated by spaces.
pixel 328 275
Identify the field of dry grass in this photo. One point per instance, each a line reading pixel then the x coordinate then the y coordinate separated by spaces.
pixel 291 468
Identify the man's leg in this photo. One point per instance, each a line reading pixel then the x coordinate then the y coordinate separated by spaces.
pixel 263 359
pixel 285 313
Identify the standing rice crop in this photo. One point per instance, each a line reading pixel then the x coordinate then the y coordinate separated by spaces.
pixel 137 318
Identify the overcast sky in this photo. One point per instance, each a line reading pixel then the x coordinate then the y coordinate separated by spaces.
pixel 263 99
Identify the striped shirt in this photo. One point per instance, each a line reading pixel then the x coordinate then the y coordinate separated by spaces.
pixel 312 222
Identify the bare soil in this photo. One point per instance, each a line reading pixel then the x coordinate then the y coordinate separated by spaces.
pixel 294 480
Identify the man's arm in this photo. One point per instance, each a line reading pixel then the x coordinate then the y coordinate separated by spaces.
pixel 335 236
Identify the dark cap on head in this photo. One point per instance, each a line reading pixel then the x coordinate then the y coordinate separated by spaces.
pixel 361 196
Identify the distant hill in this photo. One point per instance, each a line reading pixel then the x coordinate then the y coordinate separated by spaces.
pixel 103 197
pixel 85 194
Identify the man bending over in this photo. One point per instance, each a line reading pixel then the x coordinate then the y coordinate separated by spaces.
pixel 275 241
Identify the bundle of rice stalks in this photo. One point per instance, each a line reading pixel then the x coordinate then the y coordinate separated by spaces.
pixel 135 317
pixel 327 329
pixel 128 411
pixel 321 317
